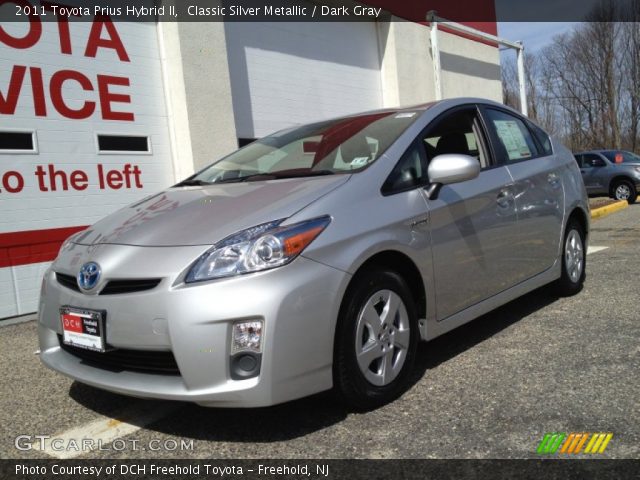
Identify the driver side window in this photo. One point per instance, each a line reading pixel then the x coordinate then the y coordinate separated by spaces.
pixel 590 161
pixel 458 132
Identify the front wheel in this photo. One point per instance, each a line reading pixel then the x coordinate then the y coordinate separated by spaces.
pixel 625 190
pixel 376 340
pixel 574 260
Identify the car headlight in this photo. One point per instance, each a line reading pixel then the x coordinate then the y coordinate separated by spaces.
pixel 257 248
pixel 637 169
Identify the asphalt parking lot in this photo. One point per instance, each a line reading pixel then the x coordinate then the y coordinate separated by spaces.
pixel 490 389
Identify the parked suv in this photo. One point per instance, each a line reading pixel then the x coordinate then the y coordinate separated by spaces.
pixel 614 173
pixel 318 257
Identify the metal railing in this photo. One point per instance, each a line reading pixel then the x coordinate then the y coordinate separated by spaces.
pixel 435 21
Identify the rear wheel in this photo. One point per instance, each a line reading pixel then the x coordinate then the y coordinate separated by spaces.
pixel 573 260
pixel 625 190
pixel 376 340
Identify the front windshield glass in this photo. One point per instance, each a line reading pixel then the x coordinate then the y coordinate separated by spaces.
pixel 617 156
pixel 345 145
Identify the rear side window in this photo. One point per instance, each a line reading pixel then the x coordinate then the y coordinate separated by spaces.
pixel 578 160
pixel 515 140
pixel 544 142
pixel 621 157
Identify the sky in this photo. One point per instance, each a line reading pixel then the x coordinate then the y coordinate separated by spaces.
pixel 535 35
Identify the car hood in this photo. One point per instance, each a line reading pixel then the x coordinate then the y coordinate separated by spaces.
pixel 205 215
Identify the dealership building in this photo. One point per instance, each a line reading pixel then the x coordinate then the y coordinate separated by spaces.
pixel 96 113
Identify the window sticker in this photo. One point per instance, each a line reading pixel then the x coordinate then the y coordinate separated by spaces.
pixel 513 139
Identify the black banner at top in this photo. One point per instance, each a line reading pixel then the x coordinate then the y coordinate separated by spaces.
pixel 467 11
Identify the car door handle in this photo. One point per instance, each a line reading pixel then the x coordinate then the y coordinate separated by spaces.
pixel 504 198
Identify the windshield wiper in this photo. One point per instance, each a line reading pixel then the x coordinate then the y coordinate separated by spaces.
pixel 192 182
pixel 256 177
pixel 246 178
pixel 310 173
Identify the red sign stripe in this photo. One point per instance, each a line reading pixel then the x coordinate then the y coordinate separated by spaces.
pixel 33 246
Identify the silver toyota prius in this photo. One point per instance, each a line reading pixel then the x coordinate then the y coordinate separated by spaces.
pixel 317 258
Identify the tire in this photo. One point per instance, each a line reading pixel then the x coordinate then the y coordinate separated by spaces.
pixel 624 190
pixel 574 260
pixel 376 340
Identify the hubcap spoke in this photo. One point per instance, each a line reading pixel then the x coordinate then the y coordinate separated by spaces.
pixel 401 339
pixel 368 354
pixel 387 368
pixel 391 308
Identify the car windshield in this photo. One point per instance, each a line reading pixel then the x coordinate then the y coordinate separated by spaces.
pixel 617 156
pixel 345 145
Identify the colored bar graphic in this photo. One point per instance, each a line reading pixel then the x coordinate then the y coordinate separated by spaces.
pixel 550 443
pixel 572 443
pixel 590 444
pixel 565 447
pixel 607 439
pixel 584 439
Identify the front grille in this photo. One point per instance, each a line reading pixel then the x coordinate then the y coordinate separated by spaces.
pixel 68 281
pixel 129 286
pixel 112 287
pixel 145 361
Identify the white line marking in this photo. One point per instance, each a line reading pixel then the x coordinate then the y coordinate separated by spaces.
pixel 594 249
pixel 101 432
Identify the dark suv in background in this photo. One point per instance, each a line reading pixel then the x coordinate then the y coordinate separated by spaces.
pixel 615 173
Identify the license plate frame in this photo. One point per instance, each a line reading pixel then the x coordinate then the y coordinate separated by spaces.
pixel 83 328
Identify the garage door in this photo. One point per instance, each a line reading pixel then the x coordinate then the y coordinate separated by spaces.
pixel 83 132
pixel 285 74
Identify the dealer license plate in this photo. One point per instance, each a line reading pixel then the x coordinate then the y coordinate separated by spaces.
pixel 83 328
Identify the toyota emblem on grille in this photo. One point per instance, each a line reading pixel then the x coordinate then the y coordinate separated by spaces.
pixel 88 275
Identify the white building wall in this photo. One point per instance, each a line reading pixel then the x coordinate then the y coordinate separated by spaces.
pixel 469 68
pixel 286 74
pixel 70 145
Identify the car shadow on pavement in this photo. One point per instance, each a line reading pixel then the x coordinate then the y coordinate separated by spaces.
pixel 257 425
pixel 457 341
pixel 301 417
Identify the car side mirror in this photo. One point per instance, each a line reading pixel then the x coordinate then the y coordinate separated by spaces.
pixel 450 168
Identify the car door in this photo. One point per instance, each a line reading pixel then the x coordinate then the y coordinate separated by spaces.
pixel 595 173
pixel 539 195
pixel 472 222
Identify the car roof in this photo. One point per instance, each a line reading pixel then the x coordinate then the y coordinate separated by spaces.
pixel 604 150
pixel 447 103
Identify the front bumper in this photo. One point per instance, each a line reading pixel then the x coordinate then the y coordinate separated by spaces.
pixel 298 304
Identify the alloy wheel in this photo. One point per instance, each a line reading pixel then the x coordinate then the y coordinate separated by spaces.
pixel 574 255
pixel 382 337
pixel 623 192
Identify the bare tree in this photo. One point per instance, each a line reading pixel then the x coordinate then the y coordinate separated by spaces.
pixel 585 86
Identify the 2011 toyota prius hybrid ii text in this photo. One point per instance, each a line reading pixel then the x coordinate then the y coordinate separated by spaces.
pixel 317 257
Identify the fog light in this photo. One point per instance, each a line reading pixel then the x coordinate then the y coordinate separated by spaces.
pixel 247 336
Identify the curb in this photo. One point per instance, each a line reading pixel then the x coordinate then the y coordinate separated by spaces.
pixel 608 209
